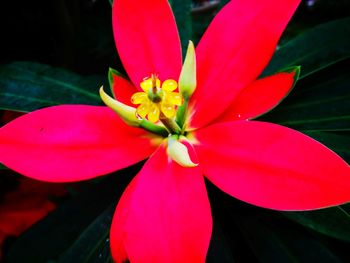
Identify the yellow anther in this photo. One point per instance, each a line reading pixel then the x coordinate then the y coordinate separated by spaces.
pixel 169 85
pixel 168 110
pixel 148 83
pixel 143 110
pixel 139 98
pixel 174 98
pixel 153 114
pixel 157 99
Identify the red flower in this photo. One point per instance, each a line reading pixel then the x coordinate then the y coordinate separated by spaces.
pixel 164 214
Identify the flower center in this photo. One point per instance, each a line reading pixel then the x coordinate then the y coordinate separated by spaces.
pixel 158 100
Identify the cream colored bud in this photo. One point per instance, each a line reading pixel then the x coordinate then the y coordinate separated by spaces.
pixel 178 152
pixel 188 79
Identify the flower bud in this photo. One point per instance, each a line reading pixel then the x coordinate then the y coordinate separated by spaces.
pixel 125 112
pixel 188 79
pixel 178 152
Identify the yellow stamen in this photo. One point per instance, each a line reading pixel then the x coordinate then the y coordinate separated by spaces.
pixel 174 98
pixel 168 110
pixel 153 114
pixel 169 85
pixel 148 83
pixel 139 98
pixel 157 99
pixel 142 110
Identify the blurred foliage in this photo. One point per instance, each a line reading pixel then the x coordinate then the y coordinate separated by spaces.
pixel 59 52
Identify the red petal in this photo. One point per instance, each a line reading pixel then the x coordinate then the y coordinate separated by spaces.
pixel 147 39
pixel 71 143
pixel 163 216
pixel 234 50
pixel 260 97
pixel 272 166
pixel 123 90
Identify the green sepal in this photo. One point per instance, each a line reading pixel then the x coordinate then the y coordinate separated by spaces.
pixel 156 129
pixel 125 112
pixel 128 115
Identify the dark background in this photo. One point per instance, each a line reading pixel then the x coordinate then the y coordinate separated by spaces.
pixel 77 35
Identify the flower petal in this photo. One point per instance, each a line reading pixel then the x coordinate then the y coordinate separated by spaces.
pixel 234 50
pixel 163 216
pixel 71 143
pixel 272 166
pixel 123 90
pixel 147 39
pixel 260 97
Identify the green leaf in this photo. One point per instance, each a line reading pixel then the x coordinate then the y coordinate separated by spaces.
pixel 337 141
pixel 264 243
pixel 317 103
pixel 27 86
pixel 219 249
pixel 202 19
pixel 93 243
pixel 274 240
pixel 333 222
pixel 182 13
pixel 3 167
pixel 314 49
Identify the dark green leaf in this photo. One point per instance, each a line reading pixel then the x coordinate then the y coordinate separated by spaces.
pixel 3 167
pixel 317 103
pixel 314 49
pixel 182 13
pixel 334 222
pixel 272 240
pixel 264 243
pixel 219 249
pixel 93 243
pixel 337 141
pixel 27 86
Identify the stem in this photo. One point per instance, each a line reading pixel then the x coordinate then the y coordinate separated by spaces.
pixel 181 112
pixel 148 126
pixel 170 124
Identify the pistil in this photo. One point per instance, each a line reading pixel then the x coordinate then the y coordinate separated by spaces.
pixel 170 124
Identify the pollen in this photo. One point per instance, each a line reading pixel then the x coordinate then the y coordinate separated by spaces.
pixel 158 99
